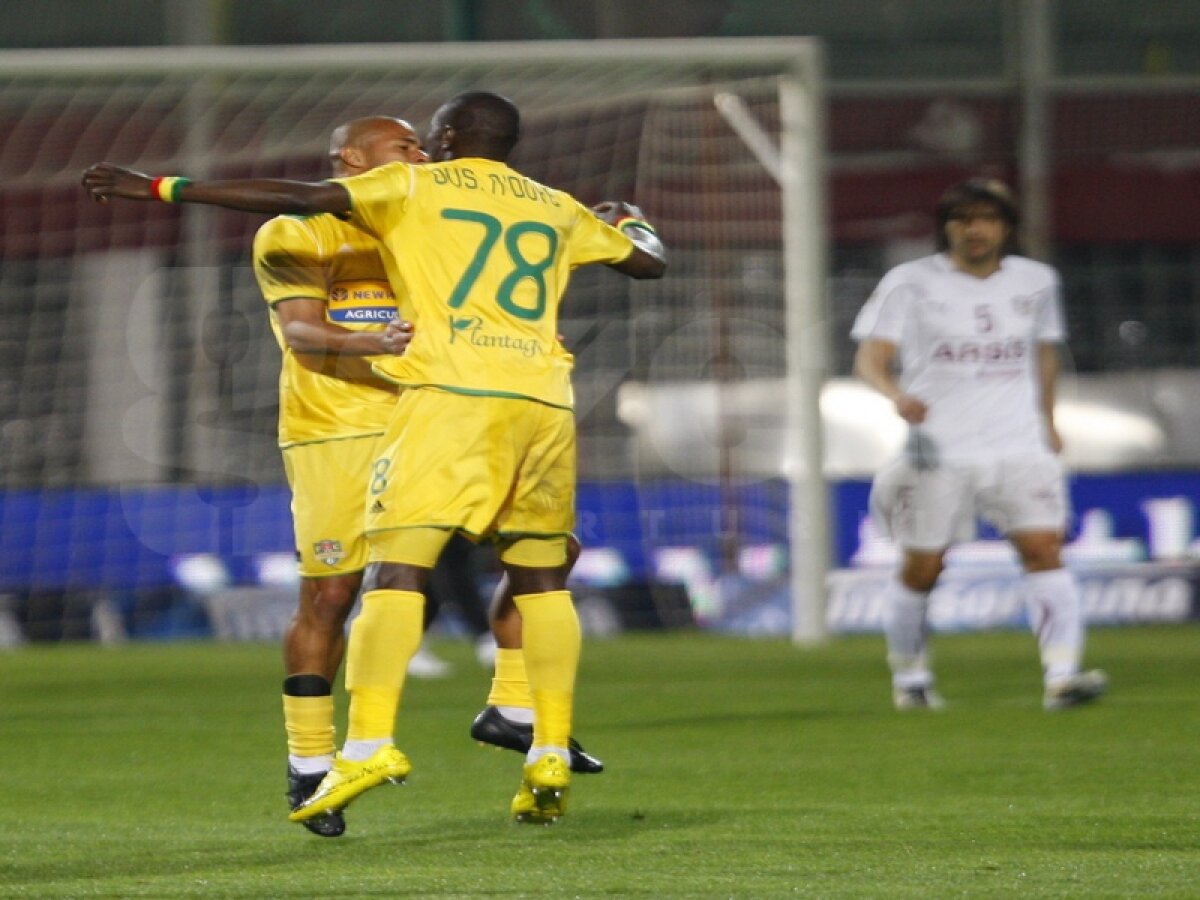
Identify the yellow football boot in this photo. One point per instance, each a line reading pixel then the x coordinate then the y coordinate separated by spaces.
pixel 347 779
pixel 542 797
pixel 524 807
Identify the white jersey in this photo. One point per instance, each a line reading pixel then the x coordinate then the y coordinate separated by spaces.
pixel 968 348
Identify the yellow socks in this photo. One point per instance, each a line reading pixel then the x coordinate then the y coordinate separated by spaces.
pixel 309 725
pixel 552 640
pixel 510 685
pixel 383 639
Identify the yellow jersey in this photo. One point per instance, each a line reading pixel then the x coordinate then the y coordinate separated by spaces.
pixel 326 396
pixel 485 254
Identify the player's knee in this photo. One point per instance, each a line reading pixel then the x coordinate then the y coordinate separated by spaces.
pixel 1040 554
pixel 921 574
pixel 535 580
pixel 388 576
pixel 535 565
pixel 331 602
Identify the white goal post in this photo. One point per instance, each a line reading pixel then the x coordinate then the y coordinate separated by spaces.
pixel 145 355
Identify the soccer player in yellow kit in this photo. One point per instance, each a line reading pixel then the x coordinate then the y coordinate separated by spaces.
pixel 332 308
pixel 486 424
pixel 330 304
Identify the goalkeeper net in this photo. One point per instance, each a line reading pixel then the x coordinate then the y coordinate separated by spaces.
pixel 137 355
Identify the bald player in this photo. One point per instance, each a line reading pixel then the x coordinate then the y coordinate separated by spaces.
pixel 490 252
pixel 332 308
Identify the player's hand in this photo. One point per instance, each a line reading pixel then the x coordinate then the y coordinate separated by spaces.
pixel 397 335
pixel 911 409
pixel 611 211
pixel 104 180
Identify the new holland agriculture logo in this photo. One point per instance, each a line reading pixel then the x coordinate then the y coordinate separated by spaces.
pixel 365 302
pixel 470 329
pixel 329 552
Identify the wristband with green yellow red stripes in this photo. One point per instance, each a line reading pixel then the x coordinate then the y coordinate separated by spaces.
pixel 168 188
pixel 633 222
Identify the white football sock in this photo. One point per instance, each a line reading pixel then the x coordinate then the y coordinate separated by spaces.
pixel 310 765
pixel 518 715
pixel 363 749
pixel 536 753
pixel 1055 612
pixel 904 624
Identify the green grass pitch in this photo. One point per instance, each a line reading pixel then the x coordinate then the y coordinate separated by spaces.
pixel 736 768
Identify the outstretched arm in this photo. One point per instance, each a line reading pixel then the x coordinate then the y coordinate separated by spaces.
pixel 648 259
pixel 104 181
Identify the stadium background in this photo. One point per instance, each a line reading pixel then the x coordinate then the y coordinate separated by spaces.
pixel 192 538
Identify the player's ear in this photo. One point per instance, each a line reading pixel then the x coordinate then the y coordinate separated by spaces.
pixel 446 138
pixel 352 157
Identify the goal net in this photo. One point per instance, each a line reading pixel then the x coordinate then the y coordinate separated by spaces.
pixel 140 377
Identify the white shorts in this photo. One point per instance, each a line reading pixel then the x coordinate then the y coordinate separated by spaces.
pixel 932 509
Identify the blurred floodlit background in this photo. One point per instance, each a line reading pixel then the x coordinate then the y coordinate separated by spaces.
pixel 138 470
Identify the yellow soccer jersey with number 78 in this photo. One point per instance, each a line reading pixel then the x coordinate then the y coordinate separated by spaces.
pixel 485 253
pixel 324 396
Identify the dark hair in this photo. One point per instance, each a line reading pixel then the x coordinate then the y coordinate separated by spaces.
pixel 979 190
pixel 485 118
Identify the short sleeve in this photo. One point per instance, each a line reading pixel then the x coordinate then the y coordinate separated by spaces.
pixel 378 197
pixel 593 240
pixel 1051 325
pixel 288 262
pixel 885 313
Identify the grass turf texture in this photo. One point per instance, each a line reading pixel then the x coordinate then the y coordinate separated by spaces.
pixel 736 768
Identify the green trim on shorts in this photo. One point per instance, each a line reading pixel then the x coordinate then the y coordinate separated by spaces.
pixel 331 440
pixel 507 535
pixel 370 531
pixel 537 535
pixel 467 392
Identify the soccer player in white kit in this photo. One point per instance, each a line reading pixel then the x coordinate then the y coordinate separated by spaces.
pixel 974 331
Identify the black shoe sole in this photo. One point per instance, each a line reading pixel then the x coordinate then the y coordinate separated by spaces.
pixel 331 824
pixel 300 788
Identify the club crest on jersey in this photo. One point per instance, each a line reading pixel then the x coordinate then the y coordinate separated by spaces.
pixel 329 552
pixel 1023 305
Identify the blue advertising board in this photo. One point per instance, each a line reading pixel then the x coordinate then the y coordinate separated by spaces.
pixel 1133 537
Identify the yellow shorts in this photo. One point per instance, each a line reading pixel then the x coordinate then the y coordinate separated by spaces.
pixel 422 546
pixel 487 466
pixel 327 480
